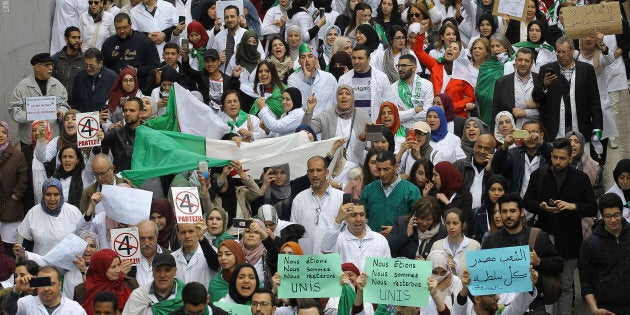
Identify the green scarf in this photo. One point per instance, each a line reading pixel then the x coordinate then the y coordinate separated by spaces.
pixel 381 33
pixel 242 117
pixel 224 236
pixel 219 288
pixel 401 132
pixel 168 306
pixel 346 300
pixel 531 45
pixel 489 72
pixel 198 54
pixel 274 102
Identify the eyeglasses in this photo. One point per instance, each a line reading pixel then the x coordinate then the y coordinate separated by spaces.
pixel 261 304
pixel 101 174
pixel 93 2
pixel 615 215
pixel 90 66
pixel 403 66
pixel 415 14
pixel 128 80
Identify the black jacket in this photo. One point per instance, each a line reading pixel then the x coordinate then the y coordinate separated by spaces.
pixel 605 267
pixel 137 51
pixel 120 142
pixel 201 78
pixel 511 164
pixel 84 98
pixel 466 167
pixel 183 80
pixel 504 94
pixel 402 245
pixel 565 226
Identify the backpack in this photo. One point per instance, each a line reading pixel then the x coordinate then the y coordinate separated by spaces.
pixel 550 283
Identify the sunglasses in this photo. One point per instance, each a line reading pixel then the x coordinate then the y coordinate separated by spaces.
pixel 93 2
pixel 415 14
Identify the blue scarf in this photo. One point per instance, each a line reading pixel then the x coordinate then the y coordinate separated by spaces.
pixel 441 132
pixel 52 182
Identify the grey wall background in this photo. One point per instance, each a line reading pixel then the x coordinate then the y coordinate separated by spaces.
pixel 24 31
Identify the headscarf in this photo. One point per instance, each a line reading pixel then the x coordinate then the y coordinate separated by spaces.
pixel 442 131
pixel 64 137
pixel 76 183
pixel 622 166
pixel 450 178
pixel 391 143
pixel 253 255
pixel 280 192
pixel 7 264
pixel 340 44
pixel 198 28
pixel 48 131
pixel 347 113
pixel 236 297
pixel 85 234
pixel 307 128
pixel 205 19
pixel 294 51
pixel 371 35
pixel 348 266
pixel 50 182
pixel 439 258
pixel 543 31
pixel 394 128
pixel 4 146
pixel 339 57
pixel 163 207
pixel 493 179
pixel 96 280
pixel 154 107
pixel 327 47
pixel 297 249
pixel 247 56
pixel 296 97
pixel 467 145
pixel 577 161
pixel 268 213
pixel 497 135
pixel 239 256
pixel 447 103
pixel 117 91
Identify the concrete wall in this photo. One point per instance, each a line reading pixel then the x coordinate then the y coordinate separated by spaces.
pixel 24 31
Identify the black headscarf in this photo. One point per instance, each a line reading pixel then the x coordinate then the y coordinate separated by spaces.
pixel 543 31
pixel 296 97
pixel 371 35
pixel 204 19
pixel 390 139
pixel 233 293
pixel 622 166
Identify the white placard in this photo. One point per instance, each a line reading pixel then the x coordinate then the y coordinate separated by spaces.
pixel 126 242
pixel 126 205
pixel 40 108
pixel 87 126
pixel 221 5
pixel 64 252
pixel 187 204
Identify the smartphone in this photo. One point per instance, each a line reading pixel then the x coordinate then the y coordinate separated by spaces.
pixel 164 94
pixel 549 72
pixel 411 135
pixel 182 19
pixel 347 198
pixel 261 89
pixel 203 168
pixel 322 11
pixel 184 44
pixel 241 223
pixel 38 282
pixel 552 203
pixel 373 132
pixel 104 107
pixel 520 134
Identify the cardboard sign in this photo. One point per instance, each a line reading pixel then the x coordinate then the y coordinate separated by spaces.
pixel 40 108
pixel 64 252
pixel 221 5
pixel 309 276
pixel 499 270
pixel 397 281
pixel 187 204
pixel 126 205
pixel 515 9
pixel 126 242
pixel 587 20
pixel 233 308
pixel 87 126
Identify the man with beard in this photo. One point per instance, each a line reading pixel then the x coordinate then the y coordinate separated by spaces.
pixel 120 140
pixel 68 62
pixel 93 84
pixel 412 94
pixel 543 256
pixel 196 299
pixel 96 25
pixel 561 196
pixel 312 81
pixel 476 171
pixel 354 240
pixel 263 302
pixel 316 207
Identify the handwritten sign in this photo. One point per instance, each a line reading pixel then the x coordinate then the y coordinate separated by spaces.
pixel 499 270
pixel 126 205
pixel 586 20
pixel 40 108
pixel 126 242
pixel 515 9
pixel 397 281
pixel 309 276
pixel 187 204
pixel 221 5
pixel 233 308
pixel 64 252
pixel 87 126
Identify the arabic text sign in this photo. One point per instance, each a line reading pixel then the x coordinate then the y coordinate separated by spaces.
pixel 397 281
pixel 515 9
pixel 126 242
pixel 40 108
pixel 499 270
pixel 87 126
pixel 309 276
pixel 586 20
pixel 187 204
pixel 64 252
pixel 126 205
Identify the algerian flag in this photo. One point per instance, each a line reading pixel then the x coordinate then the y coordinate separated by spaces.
pixel 187 114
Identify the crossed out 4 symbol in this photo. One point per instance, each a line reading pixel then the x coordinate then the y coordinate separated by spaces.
pixel 88 127
pixel 186 202
pixel 126 244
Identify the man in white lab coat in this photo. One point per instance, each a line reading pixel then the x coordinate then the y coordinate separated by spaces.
pixel 156 18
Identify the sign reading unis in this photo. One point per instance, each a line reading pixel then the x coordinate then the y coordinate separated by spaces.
pixel 309 276
pixel 397 281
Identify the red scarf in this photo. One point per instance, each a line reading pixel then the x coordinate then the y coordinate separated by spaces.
pixel 394 128
pixel 198 28
pixel 450 178
pixel 117 91
pixel 96 280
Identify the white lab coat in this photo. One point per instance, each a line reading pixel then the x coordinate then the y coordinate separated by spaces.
pixel 379 88
pixel 324 87
pixel 94 34
pixel 67 13
pixel 194 270
pixel 286 124
pixel 165 17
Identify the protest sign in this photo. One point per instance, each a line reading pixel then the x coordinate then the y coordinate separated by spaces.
pixel 126 205
pixel 397 281
pixel 499 270
pixel 187 204
pixel 233 308
pixel 515 9
pixel 309 276
pixel 65 251
pixel 126 242
pixel 584 21
pixel 221 5
pixel 87 126
pixel 40 108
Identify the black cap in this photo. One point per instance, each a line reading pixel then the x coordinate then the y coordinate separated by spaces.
pixel 41 58
pixel 162 259
pixel 211 53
